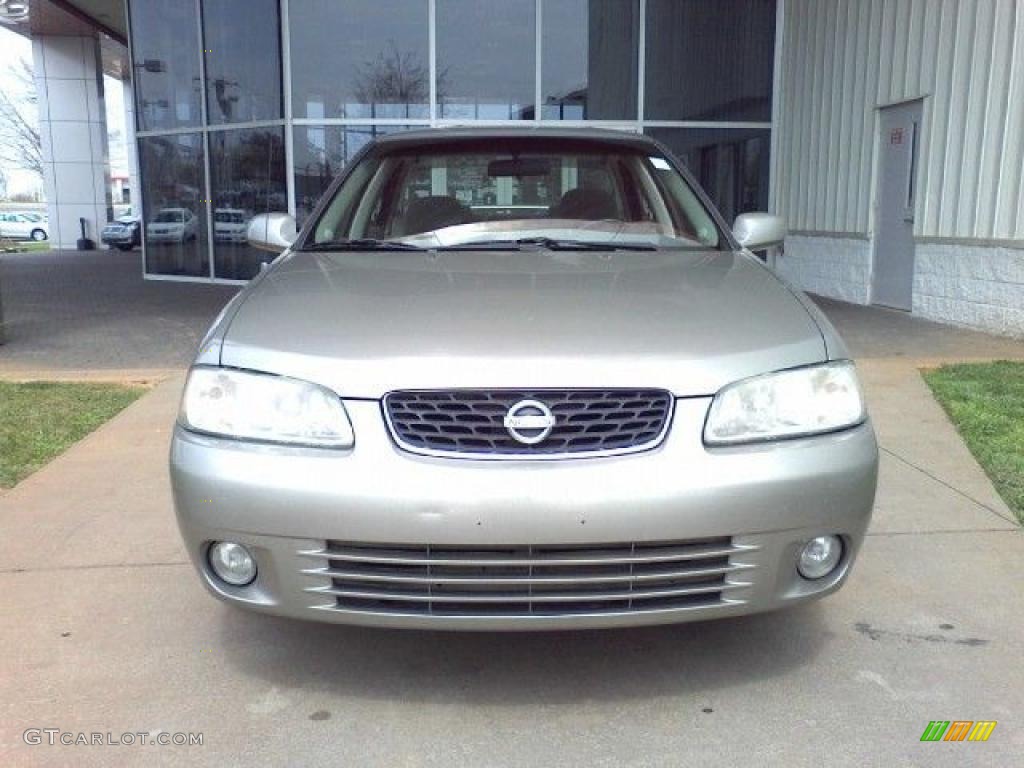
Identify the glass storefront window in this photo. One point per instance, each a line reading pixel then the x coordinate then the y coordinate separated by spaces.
pixel 366 66
pixel 589 59
pixel 379 58
pixel 321 153
pixel 243 60
pixel 174 214
pixel 731 164
pixel 247 177
pixel 486 76
pixel 165 41
pixel 709 60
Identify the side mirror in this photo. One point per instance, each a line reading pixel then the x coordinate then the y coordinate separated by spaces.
pixel 759 230
pixel 271 231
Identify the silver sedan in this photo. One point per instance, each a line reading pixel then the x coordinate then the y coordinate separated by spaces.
pixel 520 379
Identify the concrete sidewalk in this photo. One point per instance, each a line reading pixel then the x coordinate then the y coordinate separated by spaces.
pixel 107 629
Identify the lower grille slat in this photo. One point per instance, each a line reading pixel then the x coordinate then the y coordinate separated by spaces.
pixel 514 597
pixel 505 557
pixel 516 580
pixel 525 580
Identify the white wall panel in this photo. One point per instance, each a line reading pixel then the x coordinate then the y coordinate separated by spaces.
pixel 842 59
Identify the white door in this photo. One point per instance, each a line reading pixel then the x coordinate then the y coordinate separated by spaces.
pixel 892 279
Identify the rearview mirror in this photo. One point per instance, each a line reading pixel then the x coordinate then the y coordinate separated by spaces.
pixel 271 231
pixel 759 230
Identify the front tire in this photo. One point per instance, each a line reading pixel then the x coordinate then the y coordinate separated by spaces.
pixel 38 235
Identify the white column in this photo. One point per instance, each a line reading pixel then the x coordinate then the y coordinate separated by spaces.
pixel 72 126
pixel 131 150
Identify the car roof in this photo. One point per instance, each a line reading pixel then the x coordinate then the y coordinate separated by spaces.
pixel 433 136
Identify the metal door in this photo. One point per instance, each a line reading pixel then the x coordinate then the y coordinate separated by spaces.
pixel 892 279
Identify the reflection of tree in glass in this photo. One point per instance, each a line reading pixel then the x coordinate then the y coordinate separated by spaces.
pixel 395 78
pixel 171 170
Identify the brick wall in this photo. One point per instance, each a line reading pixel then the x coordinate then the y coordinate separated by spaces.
pixel 977 286
pixel 839 267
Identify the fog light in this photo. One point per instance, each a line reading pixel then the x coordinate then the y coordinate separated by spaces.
pixel 820 556
pixel 232 563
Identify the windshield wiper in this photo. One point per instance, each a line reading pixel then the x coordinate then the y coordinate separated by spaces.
pixel 554 244
pixel 362 244
pixel 550 243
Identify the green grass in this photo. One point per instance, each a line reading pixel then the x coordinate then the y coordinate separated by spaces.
pixel 40 420
pixel 986 403
pixel 23 246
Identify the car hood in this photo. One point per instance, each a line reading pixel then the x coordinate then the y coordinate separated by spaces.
pixel 365 324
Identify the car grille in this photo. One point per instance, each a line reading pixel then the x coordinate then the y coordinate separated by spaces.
pixel 471 422
pixel 527 580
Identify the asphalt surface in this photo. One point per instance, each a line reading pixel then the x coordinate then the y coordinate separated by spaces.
pixel 71 310
pixel 106 629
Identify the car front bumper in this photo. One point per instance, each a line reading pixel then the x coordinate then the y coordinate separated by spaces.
pixel 117 239
pixel 289 506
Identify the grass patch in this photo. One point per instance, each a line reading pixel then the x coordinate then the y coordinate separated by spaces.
pixel 23 246
pixel 986 403
pixel 40 420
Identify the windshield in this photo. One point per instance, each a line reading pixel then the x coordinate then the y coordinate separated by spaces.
pixel 169 216
pixel 228 217
pixel 507 190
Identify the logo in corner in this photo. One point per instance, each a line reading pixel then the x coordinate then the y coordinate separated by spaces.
pixel 958 730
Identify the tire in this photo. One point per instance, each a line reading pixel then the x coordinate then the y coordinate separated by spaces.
pixel 38 235
pixel 123 247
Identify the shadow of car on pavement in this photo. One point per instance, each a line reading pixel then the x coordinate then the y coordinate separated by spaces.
pixel 523 668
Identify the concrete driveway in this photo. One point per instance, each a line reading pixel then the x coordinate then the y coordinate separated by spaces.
pixel 106 629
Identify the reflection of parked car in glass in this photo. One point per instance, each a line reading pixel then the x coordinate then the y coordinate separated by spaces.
pixel 19 226
pixel 172 225
pixel 125 232
pixel 229 225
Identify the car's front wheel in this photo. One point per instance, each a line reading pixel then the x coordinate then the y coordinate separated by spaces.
pixel 38 235
pixel 123 247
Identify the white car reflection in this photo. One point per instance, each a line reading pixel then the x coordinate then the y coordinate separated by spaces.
pixel 172 225
pixel 229 225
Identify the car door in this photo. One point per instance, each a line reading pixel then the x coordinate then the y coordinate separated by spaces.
pixel 20 225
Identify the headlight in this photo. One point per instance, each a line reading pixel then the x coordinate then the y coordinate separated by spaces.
pixel 257 406
pixel 802 401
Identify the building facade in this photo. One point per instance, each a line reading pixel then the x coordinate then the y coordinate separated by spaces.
pixel 248 106
pixel 888 133
pixel 899 164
